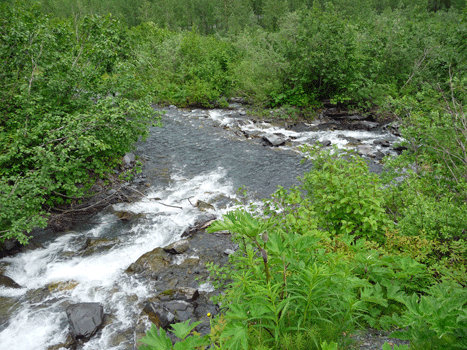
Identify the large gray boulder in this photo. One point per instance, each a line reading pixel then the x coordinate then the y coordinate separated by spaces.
pixel 85 319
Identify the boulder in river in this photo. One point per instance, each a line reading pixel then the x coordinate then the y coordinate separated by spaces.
pixel 85 319
pixel 275 140
pixel 6 281
pixel 150 262
pixel 178 247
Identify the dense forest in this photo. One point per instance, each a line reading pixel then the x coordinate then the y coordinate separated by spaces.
pixel 77 79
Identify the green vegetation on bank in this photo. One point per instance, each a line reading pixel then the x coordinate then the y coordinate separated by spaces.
pixel 324 261
pixel 67 111
pixel 346 249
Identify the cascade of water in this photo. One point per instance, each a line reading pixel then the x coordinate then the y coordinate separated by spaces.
pixel 69 277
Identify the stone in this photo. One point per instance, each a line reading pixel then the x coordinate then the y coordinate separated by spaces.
pixel 203 206
pixel 275 140
pixel 128 159
pixel 85 319
pixel 182 310
pixel 382 143
pixel 183 293
pixel 151 262
pixel 229 251
pixel 178 247
pixel 8 282
pixel 325 143
pixel 366 125
pixel 159 314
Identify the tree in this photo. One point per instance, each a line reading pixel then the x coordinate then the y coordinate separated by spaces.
pixel 61 125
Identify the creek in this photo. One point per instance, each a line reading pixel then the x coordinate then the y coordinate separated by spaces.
pixel 198 156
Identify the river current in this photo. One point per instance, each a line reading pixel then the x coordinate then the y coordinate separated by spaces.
pixel 197 155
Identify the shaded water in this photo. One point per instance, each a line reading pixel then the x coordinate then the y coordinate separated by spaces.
pixel 197 155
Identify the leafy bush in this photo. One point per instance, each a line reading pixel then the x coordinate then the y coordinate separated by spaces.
pixel 437 320
pixel 346 197
pixel 61 123
pixel 186 68
pixel 157 339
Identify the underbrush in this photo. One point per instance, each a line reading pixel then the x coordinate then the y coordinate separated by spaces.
pixel 305 279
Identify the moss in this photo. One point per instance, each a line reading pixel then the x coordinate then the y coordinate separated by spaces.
pixel 169 292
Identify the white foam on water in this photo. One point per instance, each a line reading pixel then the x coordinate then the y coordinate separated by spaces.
pixel 34 330
pixel 101 276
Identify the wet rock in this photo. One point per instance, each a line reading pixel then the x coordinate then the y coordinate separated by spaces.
pixel 97 245
pixel 379 155
pixel 325 143
pixel 128 160
pixel 127 216
pixel 85 319
pixel 159 314
pixel 62 286
pixel 253 133
pixel 9 247
pixel 382 143
pixel 69 343
pixel 8 282
pixel 182 310
pixel 229 251
pixel 180 293
pixel 189 294
pixel 178 247
pixel 190 262
pixel 365 125
pixel 151 262
pixel 357 117
pixel 336 113
pixel 275 140
pixel 200 224
pixel 203 206
pixel 8 307
pixel 365 150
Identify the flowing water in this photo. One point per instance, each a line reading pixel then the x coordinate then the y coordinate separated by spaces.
pixel 196 156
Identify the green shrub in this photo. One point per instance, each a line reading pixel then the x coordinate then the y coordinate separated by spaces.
pixel 346 197
pixel 437 320
pixel 61 126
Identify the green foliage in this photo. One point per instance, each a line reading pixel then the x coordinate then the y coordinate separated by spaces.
pixel 157 339
pixel 295 279
pixel 437 320
pixel 346 197
pixel 186 69
pixel 61 124
pixel 386 346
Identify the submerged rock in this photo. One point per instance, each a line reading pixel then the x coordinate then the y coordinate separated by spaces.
pixel 85 319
